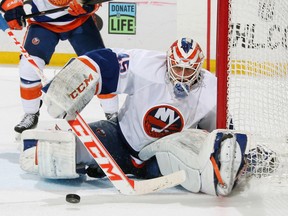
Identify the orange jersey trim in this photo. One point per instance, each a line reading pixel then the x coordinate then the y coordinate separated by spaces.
pixel 62 28
pixel 88 63
pixel 106 96
pixel 31 93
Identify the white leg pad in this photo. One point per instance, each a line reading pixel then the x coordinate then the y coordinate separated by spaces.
pixel 191 151
pixel 179 151
pixel 169 163
pixel 52 156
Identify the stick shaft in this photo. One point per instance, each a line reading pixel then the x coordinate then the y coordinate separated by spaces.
pixel 42 13
pixel 5 28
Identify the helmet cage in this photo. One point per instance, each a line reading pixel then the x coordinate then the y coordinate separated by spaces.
pixel 187 55
pixel 190 79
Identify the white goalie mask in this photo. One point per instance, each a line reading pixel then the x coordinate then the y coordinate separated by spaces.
pixel 184 59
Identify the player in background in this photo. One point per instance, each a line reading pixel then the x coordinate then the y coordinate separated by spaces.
pixel 43 34
pixel 167 122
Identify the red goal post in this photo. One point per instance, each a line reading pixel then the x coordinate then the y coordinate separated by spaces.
pixel 222 61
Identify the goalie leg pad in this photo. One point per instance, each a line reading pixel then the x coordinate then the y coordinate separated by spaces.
pixel 176 152
pixel 192 150
pixel 84 81
pixel 169 163
pixel 50 154
pixel 227 159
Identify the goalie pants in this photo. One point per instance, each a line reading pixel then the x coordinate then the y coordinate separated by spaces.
pixel 109 133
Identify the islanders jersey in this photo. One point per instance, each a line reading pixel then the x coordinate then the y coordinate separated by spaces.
pixel 151 109
pixel 60 21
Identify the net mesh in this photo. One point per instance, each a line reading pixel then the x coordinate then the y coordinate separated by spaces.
pixel 258 81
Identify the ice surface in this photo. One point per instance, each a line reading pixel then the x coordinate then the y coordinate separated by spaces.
pixel 24 194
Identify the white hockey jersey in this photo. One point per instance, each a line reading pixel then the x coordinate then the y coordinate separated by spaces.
pixel 151 109
pixel 60 21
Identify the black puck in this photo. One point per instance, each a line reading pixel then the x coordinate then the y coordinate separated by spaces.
pixel 72 198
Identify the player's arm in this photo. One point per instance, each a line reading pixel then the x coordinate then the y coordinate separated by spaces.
pixel 78 7
pixel 13 13
pixel 212 161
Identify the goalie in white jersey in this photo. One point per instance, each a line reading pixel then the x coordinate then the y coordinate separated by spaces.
pixel 167 93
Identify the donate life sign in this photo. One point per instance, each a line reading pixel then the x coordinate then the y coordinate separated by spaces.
pixel 122 18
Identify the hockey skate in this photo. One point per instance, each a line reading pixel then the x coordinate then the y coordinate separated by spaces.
pixel 29 121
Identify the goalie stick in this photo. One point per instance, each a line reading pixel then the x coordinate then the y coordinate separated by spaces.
pixel 98 151
pixel 125 185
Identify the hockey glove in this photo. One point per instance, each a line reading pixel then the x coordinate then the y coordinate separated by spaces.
pixel 76 8
pixel 14 13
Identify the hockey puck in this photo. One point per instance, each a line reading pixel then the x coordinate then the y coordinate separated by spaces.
pixel 72 198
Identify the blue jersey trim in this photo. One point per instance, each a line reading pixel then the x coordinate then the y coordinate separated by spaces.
pixel 109 66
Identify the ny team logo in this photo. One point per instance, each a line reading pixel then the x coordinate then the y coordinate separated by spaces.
pixel 162 120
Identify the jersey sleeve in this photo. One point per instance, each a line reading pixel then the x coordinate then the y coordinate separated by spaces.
pixel 209 97
pixel 108 63
pixel 139 68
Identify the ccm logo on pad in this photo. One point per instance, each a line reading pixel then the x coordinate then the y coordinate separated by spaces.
pixel 74 94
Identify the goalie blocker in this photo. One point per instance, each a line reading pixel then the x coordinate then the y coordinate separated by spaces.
pixel 211 161
pixel 85 82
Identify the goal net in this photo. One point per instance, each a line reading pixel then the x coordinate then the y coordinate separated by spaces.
pixel 252 71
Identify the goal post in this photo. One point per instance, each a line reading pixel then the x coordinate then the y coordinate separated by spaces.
pixel 252 71
pixel 222 61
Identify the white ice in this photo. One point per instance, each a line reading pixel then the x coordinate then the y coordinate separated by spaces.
pixel 24 194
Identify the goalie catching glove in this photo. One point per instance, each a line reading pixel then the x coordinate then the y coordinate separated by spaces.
pixel 212 161
pixel 84 82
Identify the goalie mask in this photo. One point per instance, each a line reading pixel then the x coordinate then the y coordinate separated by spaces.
pixel 184 60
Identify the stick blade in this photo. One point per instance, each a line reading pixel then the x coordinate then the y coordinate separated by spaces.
pixel 160 183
